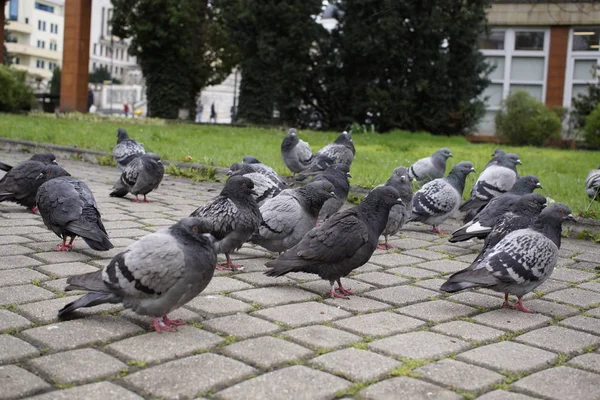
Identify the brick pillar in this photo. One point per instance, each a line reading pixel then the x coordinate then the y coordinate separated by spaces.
pixel 2 5
pixel 557 64
pixel 76 56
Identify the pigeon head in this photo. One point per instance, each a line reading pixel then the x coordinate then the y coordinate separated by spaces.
pixel 498 152
pixel 46 158
pixel 526 184
pixel 238 186
pixel 533 202
pixel 151 156
pixel 198 228
pixel 550 221
pixel 320 190
pixel 234 169
pixel 251 160
pixel 401 173
pixel 557 212
pixel 290 140
pixel 343 138
pixel 463 168
pixel 345 168
pixel 122 135
pixel 444 153
pixel 292 132
pixel 514 159
pixel 52 171
pixel 385 196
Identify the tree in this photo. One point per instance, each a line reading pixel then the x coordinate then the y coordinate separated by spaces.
pixel 101 75
pixel 180 45
pixel 55 81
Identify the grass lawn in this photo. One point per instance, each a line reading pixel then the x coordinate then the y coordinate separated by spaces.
pixel 561 172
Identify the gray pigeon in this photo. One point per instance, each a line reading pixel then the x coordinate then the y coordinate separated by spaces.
pixel 68 208
pixel 155 275
pixel 341 151
pixel 287 217
pixel 430 168
pixel 265 186
pixel 520 262
pixel 264 169
pixel 484 221
pixel 496 155
pixel 234 215
pixel 338 175
pixel 126 149
pixel 342 243
pixel 141 176
pixel 592 184
pixel 399 213
pixel 45 158
pixel 439 199
pixel 296 153
pixel 21 183
pixel 497 178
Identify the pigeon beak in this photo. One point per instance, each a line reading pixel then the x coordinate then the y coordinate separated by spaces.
pixel 473 170
pixel 229 173
pixel 54 161
pixel 40 176
pixel 450 155
pixel 539 185
pixel 571 217
pixel 519 162
pixel 399 201
pixel 348 175
pixel 333 195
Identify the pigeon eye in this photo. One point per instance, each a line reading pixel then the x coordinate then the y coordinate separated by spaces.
pixel 47 171
pixel 561 212
pixel 195 228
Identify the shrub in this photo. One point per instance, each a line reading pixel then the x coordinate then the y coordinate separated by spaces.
pixel 583 105
pixel 592 128
pixel 15 94
pixel 523 120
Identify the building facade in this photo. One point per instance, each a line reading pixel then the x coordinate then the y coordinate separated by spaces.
pixel 546 48
pixel 35 36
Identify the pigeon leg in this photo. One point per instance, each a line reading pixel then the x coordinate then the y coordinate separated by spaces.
pixel 146 200
pixel 34 209
pixel 334 294
pixel 159 326
pixel 342 289
pixel 521 307
pixel 70 245
pixel 435 229
pixel 385 245
pixel 63 246
pixel 136 200
pixel 228 265
pixel 172 322
pixel 506 304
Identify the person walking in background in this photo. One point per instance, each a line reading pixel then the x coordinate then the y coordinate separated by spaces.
pixel 199 110
pixel 213 114
pixel 126 109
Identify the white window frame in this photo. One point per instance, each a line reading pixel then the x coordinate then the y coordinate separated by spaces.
pixel 573 56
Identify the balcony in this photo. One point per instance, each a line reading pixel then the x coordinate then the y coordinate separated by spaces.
pixel 35 72
pixel 18 48
pixel 15 26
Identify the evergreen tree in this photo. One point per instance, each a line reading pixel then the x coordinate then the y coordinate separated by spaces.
pixel 55 81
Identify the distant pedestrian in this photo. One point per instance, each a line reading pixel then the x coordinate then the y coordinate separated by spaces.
pixel 90 99
pixel 199 110
pixel 213 114
pixel 126 109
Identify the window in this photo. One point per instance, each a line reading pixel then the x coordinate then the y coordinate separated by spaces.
pixel 13 10
pixel 53 46
pixel 44 7
pixel 41 44
pixel 95 45
pixel 17 60
pixel 53 28
pixel 529 41
pixel 40 63
pixel 93 66
pixel 101 49
pixel 26 20
pixel 586 39
pixel 493 42
pixel 42 25
pixel 582 60
pixel 51 66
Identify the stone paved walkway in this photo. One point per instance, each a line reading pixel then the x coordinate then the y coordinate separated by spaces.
pixel 255 337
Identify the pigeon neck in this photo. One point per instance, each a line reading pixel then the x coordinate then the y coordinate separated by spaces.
pixel 551 228
pixel 457 180
pixel 375 213
pixel 310 201
pixel 289 142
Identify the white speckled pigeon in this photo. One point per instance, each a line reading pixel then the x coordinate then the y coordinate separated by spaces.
pixel 296 153
pixel 287 217
pixel 264 169
pixel 342 243
pixel 234 215
pixel 429 168
pixel 439 199
pixel 341 151
pixel 265 185
pixel 497 178
pixel 155 275
pixel 69 209
pixel 484 221
pixel 592 184
pixel 126 149
pixel 399 213
pixel 45 158
pixel 141 176
pixel 520 262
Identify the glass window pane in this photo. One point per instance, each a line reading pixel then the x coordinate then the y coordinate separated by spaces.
pixel 577 89
pixel 486 124
pixel 529 40
pixel 493 42
pixel 494 94
pixel 583 69
pixel 497 73
pixel 534 90
pixel 527 69
pixel 586 39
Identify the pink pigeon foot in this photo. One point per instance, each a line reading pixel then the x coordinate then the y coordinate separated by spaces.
pixel 435 229
pixel 136 200
pixel 146 200
pixel 333 293
pixel 342 289
pixel 521 307
pixel 506 304
pixel 172 322
pixel 385 246
pixel 160 326
pixel 34 210
pixel 228 265
pixel 63 247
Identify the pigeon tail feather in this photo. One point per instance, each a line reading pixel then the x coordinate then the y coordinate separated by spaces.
pixel 89 300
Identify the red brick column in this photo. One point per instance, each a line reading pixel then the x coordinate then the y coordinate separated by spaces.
pixel 2 5
pixel 76 56
pixel 557 64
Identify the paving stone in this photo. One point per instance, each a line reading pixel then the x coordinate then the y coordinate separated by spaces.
pixel 260 279
pixel 550 308
pixel 14 249
pixel 476 299
pixel 559 339
pixel 183 314
pixel 302 313
pixel 504 395
pixel 437 311
pixel 157 347
pixel 380 279
pixel 451 250
pixel 322 287
pixel 595 286
pixel 587 324
pixel 409 388
pixel 413 272
pixel 426 345
pixel 402 295
pixel 128 233
pixel 266 351
pixel 468 331
pixel 56 257
pixel 23 294
pixel 241 325
pixel 77 366
pixel 444 266
pixel 72 334
pixel 58 286
pixel 15 239
pixel 17 382
pixel 25 230
pixel 187 377
pixel 10 262
pixel 590 361
pixel 508 356
pixel 394 260
pixel 368 267
pixel 10 321
pixel 13 349
pixel 588 256
pixel 512 320
pixel 64 270
pixel 20 276
pixel 458 375
pixel 296 382
pixel 357 365
pixel 275 295
pixel 379 324
pixel 110 225
pixel 571 275
pixel 433 284
pixel 575 296
pixel 594 312
pixel 321 337
pixel 561 383
pixel 47 310
pixel 358 304
pixel 217 305
pixel 425 254
pixel 93 391
pixel 548 286
pixel 220 284
pixel 411 243
pixel 301 277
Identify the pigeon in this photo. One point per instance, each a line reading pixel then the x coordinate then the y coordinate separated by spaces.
pixel 439 199
pixel 518 263
pixel 45 158
pixel 141 176
pixel 126 149
pixel 430 168
pixel 21 183
pixel 484 221
pixel 287 217
pixel 398 214
pixel 341 151
pixel 265 186
pixel 496 155
pixel 296 153
pixel 68 208
pixel 259 167
pixel 155 275
pixel 234 215
pixel 497 178
pixel 342 243
pixel 592 184
pixel 338 175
